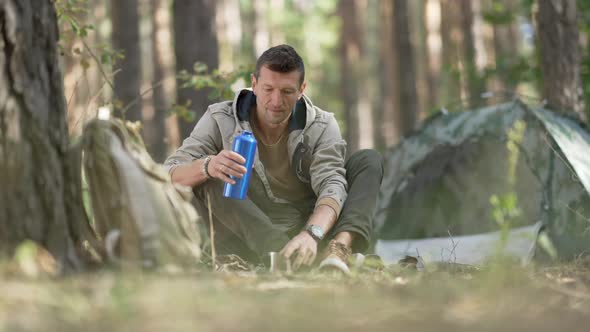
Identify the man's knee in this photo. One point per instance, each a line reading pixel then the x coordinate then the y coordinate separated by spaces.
pixel 366 160
pixel 213 187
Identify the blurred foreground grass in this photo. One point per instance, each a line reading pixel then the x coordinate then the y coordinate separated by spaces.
pixel 441 299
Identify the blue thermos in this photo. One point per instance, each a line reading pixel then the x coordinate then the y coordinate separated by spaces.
pixel 245 145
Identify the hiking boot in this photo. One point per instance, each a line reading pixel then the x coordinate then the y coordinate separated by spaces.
pixel 337 258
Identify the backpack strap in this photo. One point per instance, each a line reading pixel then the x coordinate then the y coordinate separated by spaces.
pixel 85 236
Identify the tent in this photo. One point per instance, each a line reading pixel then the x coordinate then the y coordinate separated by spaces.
pixel 497 178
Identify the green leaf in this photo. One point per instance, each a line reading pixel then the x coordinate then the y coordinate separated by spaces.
pixel 75 26
pixel 85 63
pixel 545 242
pixel 33 260
pixel 105 58
pixel 215 94
pixel 83 32
pixel 200 67
pixel 499 14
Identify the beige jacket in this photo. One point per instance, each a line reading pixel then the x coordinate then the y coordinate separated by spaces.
pixel 316 148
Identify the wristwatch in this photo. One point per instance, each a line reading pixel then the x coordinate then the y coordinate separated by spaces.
pixel 315 231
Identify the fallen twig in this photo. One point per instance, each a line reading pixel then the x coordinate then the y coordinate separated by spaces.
pixel 211 233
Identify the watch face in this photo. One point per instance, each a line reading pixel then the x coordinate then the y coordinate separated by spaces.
pixel 316 231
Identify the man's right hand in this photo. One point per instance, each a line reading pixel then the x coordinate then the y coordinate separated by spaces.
pixel 225 164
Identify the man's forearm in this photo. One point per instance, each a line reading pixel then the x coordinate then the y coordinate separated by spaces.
pixel 323 216
pixel 191 174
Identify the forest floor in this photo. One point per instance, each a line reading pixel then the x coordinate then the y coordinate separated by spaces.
pixel 441 298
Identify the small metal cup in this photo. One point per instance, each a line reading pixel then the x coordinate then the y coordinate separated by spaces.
pixel 279 263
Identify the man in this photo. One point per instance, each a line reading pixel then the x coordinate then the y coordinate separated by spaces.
pixel 300 182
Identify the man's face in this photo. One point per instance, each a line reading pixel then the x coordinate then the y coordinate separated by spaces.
pixel 276 95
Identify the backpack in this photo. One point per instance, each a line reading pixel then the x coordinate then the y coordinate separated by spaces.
pixel 139 216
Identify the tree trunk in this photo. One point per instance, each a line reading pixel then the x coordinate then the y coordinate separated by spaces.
pixel 350 53
pixel 155 128
pixel 472 84
pixel 418 24
pixel 248 21
pixel 451 49
pixel 125 37
pixel 277 35
pixel 408 101
pixel 585 60
pixel 506 49
pixel 432 18
pixel 195 41
pixel 82 85
pixel 39 193
pixel 557 28
pixel 376 69
pixel 493 83
pixel 228 30
pixel 386 119
pixel 366 71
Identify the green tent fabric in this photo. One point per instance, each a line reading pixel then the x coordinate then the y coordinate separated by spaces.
pixel 572 140
pixel 439 181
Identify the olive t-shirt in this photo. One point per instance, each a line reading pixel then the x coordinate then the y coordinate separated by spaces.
pixel 282 179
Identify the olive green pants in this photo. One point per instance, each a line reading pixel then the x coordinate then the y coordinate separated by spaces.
pixel 253 227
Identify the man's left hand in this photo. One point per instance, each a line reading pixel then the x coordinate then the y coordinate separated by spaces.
pixel 306 248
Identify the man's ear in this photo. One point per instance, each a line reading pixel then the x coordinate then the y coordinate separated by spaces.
pixel 302 89
pixel 253 80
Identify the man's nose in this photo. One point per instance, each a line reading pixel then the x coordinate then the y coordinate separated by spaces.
pixel 275 98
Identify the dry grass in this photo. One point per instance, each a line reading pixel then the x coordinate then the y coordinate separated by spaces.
pixel 499 298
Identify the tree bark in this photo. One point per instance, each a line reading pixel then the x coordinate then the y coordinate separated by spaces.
pixel 350 53
pixel 493 83
pixel 388 134
pixel 195 41
pixel 473 85
pixel 82 85
pixel 261 33
pixel 418 24
pixel 365 106
pixel 125 37
pixel 557 28
pixel 39 195
pixel 451 49
pixel 276 34
pixel 408 100
pixel 248 21
pixel 155 128
pixel 432 17
pixel 505 49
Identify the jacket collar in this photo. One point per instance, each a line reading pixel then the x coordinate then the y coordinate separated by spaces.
pixel 302 114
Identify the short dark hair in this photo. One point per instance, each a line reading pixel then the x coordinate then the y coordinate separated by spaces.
pixel 282 59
